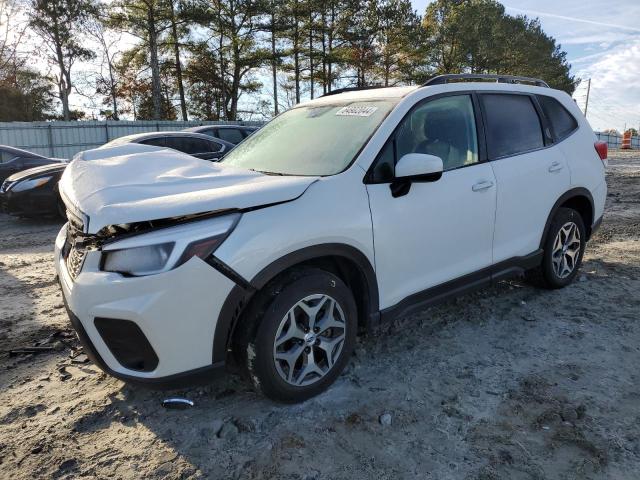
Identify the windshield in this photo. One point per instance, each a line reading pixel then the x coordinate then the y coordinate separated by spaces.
pixel 313 140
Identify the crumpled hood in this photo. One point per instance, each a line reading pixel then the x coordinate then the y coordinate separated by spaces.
pixel 162 183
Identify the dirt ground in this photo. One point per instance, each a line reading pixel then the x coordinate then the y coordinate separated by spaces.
pixel 511 382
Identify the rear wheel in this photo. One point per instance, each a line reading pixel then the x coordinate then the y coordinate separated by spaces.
pixel 304 335
pixel 563 250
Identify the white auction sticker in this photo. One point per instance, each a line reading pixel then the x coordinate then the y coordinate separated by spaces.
pixel 356 111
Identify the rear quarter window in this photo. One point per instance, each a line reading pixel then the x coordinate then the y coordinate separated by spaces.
pixel 562 122
pixel 512 124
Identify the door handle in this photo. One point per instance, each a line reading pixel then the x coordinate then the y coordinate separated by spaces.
pixel 555 167
pixel 482 185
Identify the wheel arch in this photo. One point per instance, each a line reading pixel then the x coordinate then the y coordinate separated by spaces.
pixel 579 199
pixel 345 261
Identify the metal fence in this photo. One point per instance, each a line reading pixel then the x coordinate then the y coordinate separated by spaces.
pixel 64 139
pixel 615 141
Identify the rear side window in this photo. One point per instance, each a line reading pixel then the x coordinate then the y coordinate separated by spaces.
pixel 562 122
pixel 156 142
pixel 189 145
pixel 512 125
pixel 232 135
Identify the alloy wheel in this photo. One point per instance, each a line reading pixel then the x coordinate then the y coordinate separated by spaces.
pixel 566 250
pixel 309 340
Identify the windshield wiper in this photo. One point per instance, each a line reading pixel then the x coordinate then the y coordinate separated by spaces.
pixel 270 173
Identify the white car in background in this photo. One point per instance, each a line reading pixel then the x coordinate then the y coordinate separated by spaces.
pixel 344 211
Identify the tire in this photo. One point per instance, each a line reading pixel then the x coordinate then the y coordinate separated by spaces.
pixel 562 251
pixel 288 361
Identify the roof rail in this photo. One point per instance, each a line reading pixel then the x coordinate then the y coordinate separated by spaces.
pixel 349 89
pixel 441 79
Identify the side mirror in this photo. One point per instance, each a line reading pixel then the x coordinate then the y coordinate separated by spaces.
pixel 415 167
pixel 419 167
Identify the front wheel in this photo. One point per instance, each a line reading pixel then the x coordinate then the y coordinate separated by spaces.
pixel 563 250
pixel 305 336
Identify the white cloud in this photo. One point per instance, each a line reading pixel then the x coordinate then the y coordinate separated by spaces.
pixel 615 96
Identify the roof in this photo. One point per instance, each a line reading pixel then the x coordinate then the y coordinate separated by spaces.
pixel 168 133
pixel 395 93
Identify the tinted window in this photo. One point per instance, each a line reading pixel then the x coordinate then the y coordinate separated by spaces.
pixel 232 135
pixel 209 132
pixel 513 125
pixel 188 144
pixel 214 147
pixel 5 156
pixel 156 142
pixel 561 120
pixel 444 127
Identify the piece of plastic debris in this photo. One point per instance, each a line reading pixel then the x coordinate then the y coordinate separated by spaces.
pixel 177 403
pixel 29 350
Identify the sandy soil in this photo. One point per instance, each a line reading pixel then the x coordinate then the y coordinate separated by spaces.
pixel 508 383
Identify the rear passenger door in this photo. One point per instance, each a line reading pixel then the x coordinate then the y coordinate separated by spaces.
pixel 531 173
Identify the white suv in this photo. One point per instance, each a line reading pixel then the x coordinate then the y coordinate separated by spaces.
pixel 347 210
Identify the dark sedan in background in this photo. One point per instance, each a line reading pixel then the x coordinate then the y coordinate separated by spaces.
pixel 231 133
pixel 34 192
pixel 14 160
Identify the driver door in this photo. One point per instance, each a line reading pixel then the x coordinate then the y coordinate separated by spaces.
pixel 441 230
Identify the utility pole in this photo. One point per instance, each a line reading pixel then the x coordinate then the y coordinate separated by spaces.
pixel 586 104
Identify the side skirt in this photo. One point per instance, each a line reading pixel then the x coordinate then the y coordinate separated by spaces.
pixel 465 284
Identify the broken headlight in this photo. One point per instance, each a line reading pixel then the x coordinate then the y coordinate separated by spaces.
pixel 167 248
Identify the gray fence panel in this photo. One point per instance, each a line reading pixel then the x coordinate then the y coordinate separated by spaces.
pixel 614 142
pixel 65 139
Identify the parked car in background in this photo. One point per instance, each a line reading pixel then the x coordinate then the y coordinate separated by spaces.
pixel 34 192
pixel 230 133
pixel 195 144
pixel 14 160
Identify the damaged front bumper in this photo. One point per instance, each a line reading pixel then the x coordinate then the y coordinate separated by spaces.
pixel 156 330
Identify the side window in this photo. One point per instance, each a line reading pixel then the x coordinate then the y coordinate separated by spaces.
pixel 4 156
pixel 562 122
pixel 513 125
pixel 177 143
pixel 232 135
pixel 444 127
pixel 209 132
pixel 214 147
pixel 190 145
pixel 156 142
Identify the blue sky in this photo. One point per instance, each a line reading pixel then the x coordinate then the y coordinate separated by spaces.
pixel 602 41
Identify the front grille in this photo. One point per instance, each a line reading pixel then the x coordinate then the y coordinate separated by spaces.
pixel 73 251
pixel 75 260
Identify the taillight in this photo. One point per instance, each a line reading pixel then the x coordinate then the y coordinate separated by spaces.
pixel 601 148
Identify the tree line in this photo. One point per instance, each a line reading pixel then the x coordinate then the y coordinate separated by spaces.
pixel 235 59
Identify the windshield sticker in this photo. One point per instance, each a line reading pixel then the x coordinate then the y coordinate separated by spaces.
pixel 356 111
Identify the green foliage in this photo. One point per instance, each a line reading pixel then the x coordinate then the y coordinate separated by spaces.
pixel 25 96
pixel 210 57
pixel 477 36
